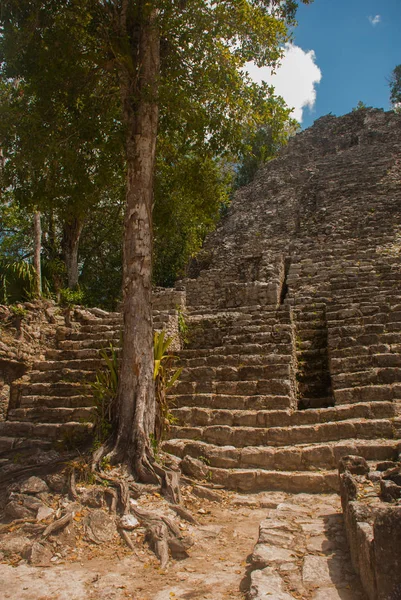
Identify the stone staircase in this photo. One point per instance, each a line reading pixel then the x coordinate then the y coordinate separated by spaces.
pixel 236 407
pixel 53 405
pixel 294 351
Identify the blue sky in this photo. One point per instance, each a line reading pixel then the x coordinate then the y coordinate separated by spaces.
pixel 343 52
pixel 357 43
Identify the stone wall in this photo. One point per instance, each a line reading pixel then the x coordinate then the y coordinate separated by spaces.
pixel 371 503
pixel 27 331
pixel 332 196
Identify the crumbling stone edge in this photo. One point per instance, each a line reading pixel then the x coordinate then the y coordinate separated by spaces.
pixel 371 502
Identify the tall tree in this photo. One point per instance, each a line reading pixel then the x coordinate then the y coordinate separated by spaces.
pixel 189 55
pixel 181 70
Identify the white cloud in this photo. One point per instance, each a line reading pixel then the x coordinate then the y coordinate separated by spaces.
pixel 374 20
pixel 294 80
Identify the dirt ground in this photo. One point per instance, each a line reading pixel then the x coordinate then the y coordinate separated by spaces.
pixel 216 568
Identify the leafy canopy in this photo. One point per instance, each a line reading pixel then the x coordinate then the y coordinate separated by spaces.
pixel 395 87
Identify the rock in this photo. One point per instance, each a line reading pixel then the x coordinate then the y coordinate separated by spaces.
pixel 44 513
pixel 393 475
pixel 15 544
pixel 100 527
pixel 15 510
pixel 194 467
pixel 356 465
pixel 57 482
pixel 374 476
pixel 385 465
pixel 348 488
pixel 265 554
pixel 202 492
pixel 319 572
pixel 93 497
pixel 390 491
pixel 32 503
pixel 34 485
pixel 40 555
pixel 129 522
pixel 267 583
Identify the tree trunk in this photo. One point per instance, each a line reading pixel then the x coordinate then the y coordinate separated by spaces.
pixel 72 230
pixel 136 397
pixel 37 247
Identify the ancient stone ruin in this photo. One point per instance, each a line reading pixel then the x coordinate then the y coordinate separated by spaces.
pixel 294 314
pixel 293 352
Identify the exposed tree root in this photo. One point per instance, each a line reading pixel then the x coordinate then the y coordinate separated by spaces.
pixel 10 526
pixel 56 525
pixel 183 513
pixel 72 490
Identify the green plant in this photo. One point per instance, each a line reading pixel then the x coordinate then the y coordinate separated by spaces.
pixel 17 279
pixel 182 325
pixel 68 297
pixel 18 311
pixel 104 390
pixel 164 376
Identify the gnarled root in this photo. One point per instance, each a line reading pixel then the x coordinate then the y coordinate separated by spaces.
pixel 163 535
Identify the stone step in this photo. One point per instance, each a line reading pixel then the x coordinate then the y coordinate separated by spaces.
pixel 240 373
pixel 104 337
pixel 367 393
pixel 101 327
pixel 309 457
pixel 366 339
pixel 258 480
pixel 373 376
pixel 79 401
pixel 63 375
pixel 276 337
pixel 267 310
pixel 200 416
pixel 18 446
pixel 360 350
pixel 47 431
pixel 89 344
pixel 86 364
pixel 280 387
pixel 222 435
pixel 357 330
pixel 234 360
pixel 52 415
pixel 361 362
pixel 58 388
pixel 262 349
pixel 232 402
pixel 78 354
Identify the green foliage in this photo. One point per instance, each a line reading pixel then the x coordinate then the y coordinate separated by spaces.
pixel 16 280
pixel 360 106
pixel 104 390
pixel 395 87
pixel 183 328
pixel 69 298
pixel 261 146
pixel 61 122
pixel 165 376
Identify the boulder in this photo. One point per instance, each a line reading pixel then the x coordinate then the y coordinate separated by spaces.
pixel 40 555
pixel 15 544
pixel 100 527
pixel 356 465
pixel 34 485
